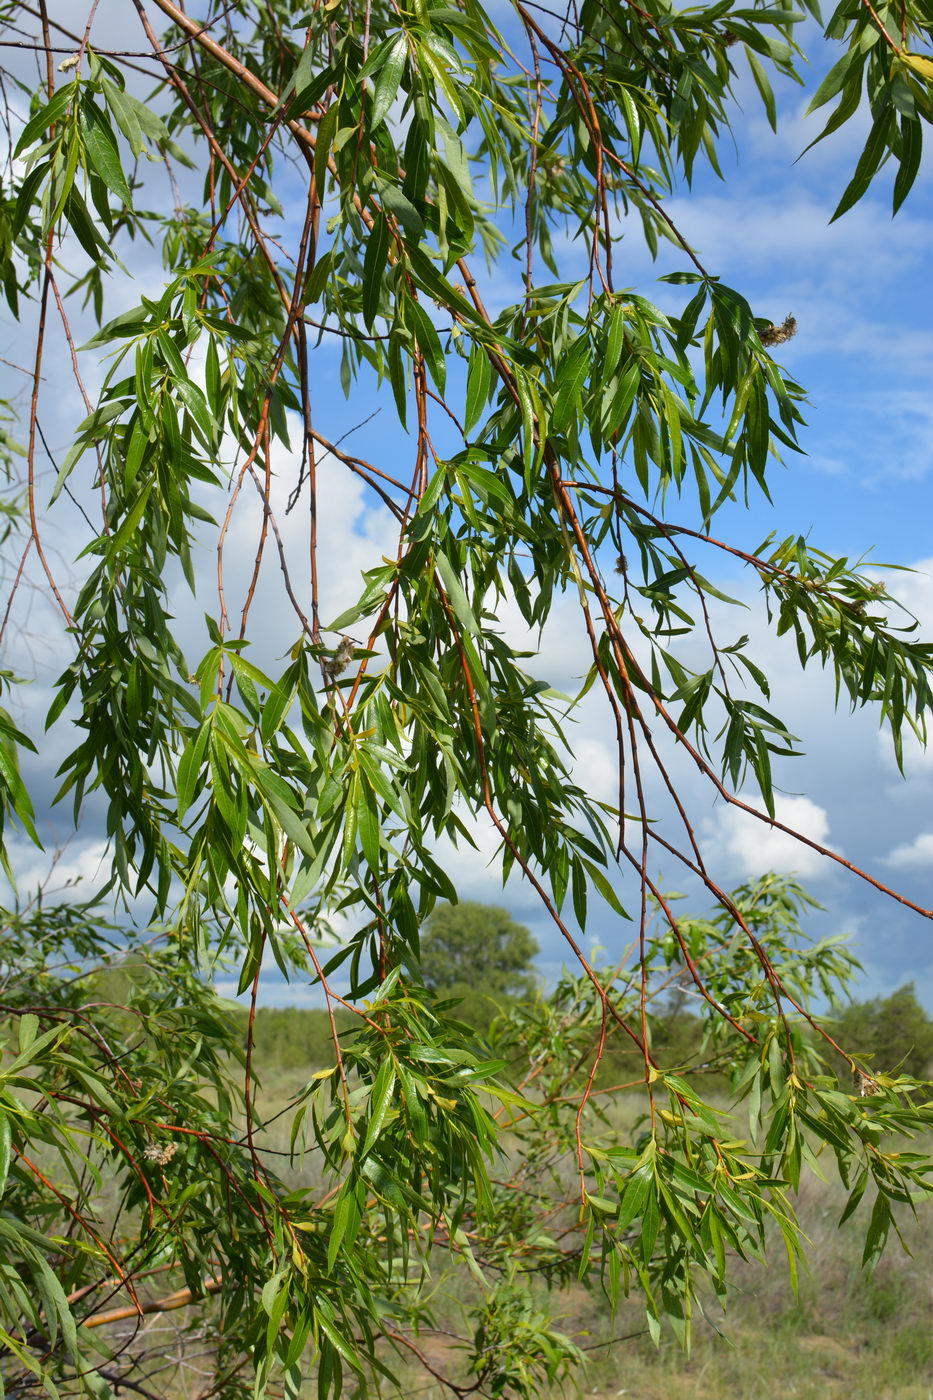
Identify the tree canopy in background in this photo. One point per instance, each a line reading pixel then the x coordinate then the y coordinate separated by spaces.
pixel 366 176
pixel 894 1029
pixel 477 953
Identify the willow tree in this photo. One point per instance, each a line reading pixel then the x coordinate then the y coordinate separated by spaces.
pixel 349 179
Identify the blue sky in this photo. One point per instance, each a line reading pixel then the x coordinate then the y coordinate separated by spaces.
pixel 860 290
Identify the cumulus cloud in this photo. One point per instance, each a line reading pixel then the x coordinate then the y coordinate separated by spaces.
pixel 596 769
pixel 476 872
pixel 753 848
pixel 73 873
pixel 913 855
pixel 793 228
pixel 918 759
pixel 915 590
pixel 354 534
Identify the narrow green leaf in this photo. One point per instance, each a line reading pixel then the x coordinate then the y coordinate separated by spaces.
pixel 875 149
pixel 455 594
pixel 571 374
pixel 381 1102
pixel 374 267
pixel 910 156
pixel 479 378
pixel 45 117
pixel 401 208
pixel 763 86
pixel 351 818
pixel 389 81
pixel 114 543
pixel 287 818
pixel 189 767
pixel 6 1149
pixel 101 147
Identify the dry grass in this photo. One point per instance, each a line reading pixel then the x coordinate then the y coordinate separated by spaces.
pixel 865 1337
pixel 848 1334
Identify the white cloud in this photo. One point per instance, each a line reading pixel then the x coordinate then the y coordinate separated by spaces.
pixel 596 769
pixel 791 229
pixel 354 532
pixel 914 589
pixel 753 847
pixel 918 760
pixel 475 873
pixel 913 855
pixel 73 873
pixel 561 652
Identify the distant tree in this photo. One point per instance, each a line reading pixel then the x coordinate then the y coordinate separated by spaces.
pixel 895 1031
pixel 477 952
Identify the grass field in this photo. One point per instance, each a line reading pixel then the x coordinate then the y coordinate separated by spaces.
pixel 848 1334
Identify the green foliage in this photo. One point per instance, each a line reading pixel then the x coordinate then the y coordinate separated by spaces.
pixel 112 1117
pixel 516 1351
pixel 315 176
